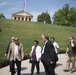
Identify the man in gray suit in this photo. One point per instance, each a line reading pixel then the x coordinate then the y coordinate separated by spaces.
pixel 15 55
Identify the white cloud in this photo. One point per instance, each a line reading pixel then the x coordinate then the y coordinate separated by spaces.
pixel 3 3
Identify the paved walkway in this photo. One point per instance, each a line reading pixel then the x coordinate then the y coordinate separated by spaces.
pixel 26 66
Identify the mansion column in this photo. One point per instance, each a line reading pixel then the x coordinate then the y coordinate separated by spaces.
pixel 20 18
pixel 16 18
pixel 27 19
pixel 24 18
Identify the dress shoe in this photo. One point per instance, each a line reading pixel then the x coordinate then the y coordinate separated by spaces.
pixel 66 70
pixel 14 72
pixel 37 74
pixel 72 71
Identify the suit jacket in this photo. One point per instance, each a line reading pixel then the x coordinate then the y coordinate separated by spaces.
pixel 38 52
pixel 49 54
pixel 10 55
pixel 8 48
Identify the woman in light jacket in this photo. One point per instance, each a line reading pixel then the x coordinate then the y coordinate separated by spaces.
pixel 35 55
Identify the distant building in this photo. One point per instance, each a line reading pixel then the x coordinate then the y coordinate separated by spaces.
pixel 22 15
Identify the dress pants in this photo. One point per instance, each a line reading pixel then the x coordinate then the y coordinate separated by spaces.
pixel 12 68
pixel 33 66
pixel 49 69
pixel 69 60
pixel 18 64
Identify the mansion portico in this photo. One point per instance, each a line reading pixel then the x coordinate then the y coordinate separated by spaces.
pixel 22 15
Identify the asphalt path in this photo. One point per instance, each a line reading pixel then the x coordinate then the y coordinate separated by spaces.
pixel 26 67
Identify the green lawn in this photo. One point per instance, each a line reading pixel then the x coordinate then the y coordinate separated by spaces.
pixel 29 31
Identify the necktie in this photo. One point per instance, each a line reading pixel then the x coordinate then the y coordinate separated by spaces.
pixel 43 49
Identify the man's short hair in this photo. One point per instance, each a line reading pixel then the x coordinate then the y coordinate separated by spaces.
pixel 16 39
pixel 46 37
pixel 12 38
pixel 53 38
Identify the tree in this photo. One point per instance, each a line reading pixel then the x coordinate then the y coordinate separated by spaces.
pixel 44 17
pixel 65 16
pixel 2 16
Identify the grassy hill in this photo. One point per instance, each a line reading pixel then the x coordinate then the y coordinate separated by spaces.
pixel 29 31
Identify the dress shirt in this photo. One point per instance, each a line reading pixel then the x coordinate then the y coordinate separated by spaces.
pixel 44 47
pixel 56 46
pixel 16 52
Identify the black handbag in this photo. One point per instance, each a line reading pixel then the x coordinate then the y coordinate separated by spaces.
pixel 30 61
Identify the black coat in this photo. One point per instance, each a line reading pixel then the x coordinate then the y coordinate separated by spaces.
pixel 49 54
pixel 8 47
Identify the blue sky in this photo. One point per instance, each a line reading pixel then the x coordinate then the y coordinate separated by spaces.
pixel 35 7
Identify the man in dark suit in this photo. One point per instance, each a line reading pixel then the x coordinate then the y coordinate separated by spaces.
pixel 12 41
pixel 49 57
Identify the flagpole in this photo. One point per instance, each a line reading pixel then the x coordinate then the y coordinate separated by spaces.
pixel 25 5
pixel 24 9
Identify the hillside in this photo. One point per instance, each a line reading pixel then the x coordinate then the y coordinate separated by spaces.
pixel 29 31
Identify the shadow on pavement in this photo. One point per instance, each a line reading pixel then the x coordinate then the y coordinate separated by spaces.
pixel 26 74
pixel 22 68
pixel 58 64
pixel 41 73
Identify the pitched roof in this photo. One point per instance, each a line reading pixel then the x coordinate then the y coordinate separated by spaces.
pixel 23 13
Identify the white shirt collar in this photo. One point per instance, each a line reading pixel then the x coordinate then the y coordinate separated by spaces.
pixel 46 41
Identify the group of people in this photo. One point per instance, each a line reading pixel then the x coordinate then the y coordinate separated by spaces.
pixel 48 55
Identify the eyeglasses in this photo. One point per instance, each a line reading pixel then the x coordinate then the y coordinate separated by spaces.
pixel 16 40
pixel 70 39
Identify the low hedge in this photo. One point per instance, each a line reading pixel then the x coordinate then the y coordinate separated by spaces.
pixel 4 62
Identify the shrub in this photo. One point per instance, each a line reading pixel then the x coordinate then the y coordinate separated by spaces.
pixel 4 62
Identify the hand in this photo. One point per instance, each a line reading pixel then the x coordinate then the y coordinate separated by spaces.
pixel 21 59
pixel 7 58
pixel 42 36
pixel 57 53
pixel 72 44
pixel 30 54
pixel 51 62
pixel 5 54
pixel 39 59
pixel 66 53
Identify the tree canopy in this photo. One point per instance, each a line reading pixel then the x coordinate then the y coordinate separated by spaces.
pixel 44 17
pixel 65 16
pixel 2 16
